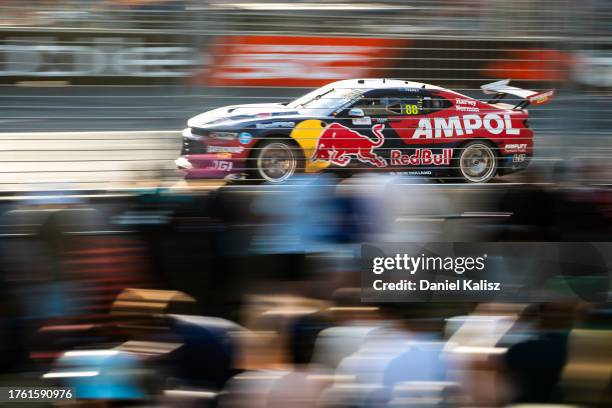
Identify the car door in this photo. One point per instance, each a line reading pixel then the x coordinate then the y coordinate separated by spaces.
pixel 382 135
pixel 361 141
pixel 424 143
pixel 384 114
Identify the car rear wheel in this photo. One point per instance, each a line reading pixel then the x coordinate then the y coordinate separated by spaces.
pixel 477 162
pixel 275 161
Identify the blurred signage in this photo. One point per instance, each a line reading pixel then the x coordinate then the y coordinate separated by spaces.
pixel 47 56
pixel 269 60
pixel 297 61
pixel 594 69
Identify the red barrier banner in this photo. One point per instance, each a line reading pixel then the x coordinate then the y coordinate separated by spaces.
pixel 297 61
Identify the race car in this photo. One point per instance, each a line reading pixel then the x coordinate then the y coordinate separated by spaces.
pixel 366 124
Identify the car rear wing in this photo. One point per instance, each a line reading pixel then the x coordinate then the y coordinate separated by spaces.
pixel 501 88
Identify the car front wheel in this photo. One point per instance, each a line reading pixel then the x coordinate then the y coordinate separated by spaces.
pixel 275 161
pixel 477 162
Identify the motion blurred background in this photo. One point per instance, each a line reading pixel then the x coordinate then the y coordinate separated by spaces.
pixel 125 282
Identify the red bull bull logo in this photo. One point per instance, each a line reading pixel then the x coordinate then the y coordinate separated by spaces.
pixel 338 144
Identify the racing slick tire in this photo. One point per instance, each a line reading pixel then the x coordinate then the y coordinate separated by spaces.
pixel 476 162
pixel 275 161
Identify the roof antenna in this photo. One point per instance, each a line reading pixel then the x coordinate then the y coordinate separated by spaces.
pixel 384 79
pixel 423 87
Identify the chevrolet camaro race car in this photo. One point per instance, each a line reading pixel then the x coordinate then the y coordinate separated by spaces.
pixel 366 124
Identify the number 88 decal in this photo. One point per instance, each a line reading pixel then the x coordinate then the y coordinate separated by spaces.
pixel 412 109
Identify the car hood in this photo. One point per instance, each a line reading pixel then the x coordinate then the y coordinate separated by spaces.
pixel 237 113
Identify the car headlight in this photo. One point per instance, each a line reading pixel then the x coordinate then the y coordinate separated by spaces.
pixel 223 135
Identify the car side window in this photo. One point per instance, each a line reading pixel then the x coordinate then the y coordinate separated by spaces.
pixel 371 106
pixel 390 105
pixel 406 106
pixel 435 103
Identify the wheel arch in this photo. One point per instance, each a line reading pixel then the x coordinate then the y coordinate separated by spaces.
pixel 272 136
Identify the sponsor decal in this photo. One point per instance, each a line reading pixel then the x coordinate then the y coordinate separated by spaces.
pixel 466 105
pixel 515 148
pixel 222 165
pixel 275 125
pixel 411 173
pixel 461 101
pixel 541 98
pixel 462 108
pixel 518 158
pixel 245 138
pixel 463 125
pixel 306 134
pixel 362 121
pixel 421 157
pixel 224 149
pixel 338 144
pixel 262 60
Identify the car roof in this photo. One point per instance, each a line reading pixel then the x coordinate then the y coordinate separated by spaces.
pixel 379 83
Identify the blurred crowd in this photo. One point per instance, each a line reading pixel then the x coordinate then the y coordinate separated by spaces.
pixel 248 296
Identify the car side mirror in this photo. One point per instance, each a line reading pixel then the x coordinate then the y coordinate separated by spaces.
pixel 356 113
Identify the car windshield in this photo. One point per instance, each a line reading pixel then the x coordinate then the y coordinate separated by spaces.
pixel 325 99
